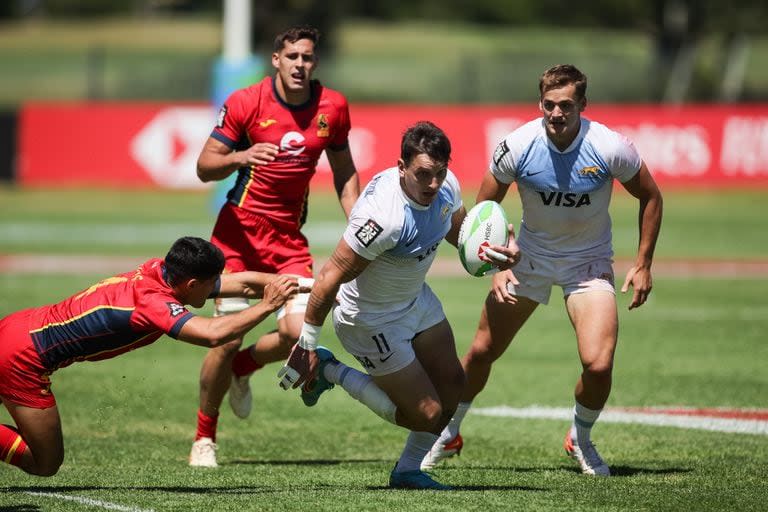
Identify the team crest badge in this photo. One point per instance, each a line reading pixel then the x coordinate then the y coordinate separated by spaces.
pixel 322 126
pixel 368 232
pixel 221 116
pixel 592 170
pixel 444 212
pixel 501 150
pixel 175 308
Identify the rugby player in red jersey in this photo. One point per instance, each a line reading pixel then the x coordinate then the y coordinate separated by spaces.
pixel 112 317
pixel 272 134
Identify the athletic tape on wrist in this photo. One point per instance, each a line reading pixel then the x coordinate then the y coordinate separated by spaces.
pixel 309 335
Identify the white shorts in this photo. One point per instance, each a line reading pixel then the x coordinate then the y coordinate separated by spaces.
pixel 387 347
pixel 574 275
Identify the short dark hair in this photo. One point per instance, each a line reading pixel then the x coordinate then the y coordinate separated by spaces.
pixel 293 34
pixel 562 75
pixel 191 257
pixel 424 137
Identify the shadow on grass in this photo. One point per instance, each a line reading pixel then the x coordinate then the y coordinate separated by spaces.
pixel 174 489
pixel 632 471
pixel 616 471
pixel 481 488
pixel 21 508
pixel 306 462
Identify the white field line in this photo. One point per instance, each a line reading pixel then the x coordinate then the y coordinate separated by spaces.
pixel 697 422
pixel 89 501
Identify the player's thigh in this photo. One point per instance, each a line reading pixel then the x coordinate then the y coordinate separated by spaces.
pixel 435 349
pixel 499 323
pixel 41 430
pixel 290 318
pixel 595 321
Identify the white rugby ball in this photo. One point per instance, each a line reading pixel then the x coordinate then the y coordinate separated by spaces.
pixel 485 224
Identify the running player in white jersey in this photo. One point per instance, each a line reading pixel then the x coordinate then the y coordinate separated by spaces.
pixel 386 316
pixel 564 167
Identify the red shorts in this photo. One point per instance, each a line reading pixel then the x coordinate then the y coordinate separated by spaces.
pixel 23 378
pixel 253 242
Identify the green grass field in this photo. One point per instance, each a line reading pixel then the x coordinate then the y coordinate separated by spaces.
pixel 128 422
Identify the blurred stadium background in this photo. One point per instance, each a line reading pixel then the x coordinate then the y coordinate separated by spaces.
pixel 434 51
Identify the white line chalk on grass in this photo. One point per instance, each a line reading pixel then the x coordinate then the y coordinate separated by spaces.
pixel 89 501
pixel 735 421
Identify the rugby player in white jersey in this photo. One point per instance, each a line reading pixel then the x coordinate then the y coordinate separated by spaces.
pixel 564 166
pixel 385 314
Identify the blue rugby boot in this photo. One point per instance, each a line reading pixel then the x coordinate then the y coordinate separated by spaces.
pixel 322 384
pixel 415 479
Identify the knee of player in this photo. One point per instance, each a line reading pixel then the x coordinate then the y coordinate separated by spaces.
pixel 599 369
pixel 228 348
pixel 481 353
pixel 428 417
pixel 288 339
pixel 49 468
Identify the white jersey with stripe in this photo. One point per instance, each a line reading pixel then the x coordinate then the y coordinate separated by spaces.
pixel 565 194
pixel 400 237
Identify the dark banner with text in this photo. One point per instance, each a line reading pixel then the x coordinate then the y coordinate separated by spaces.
pixel 156 145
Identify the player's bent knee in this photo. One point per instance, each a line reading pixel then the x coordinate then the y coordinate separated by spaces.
pixel 482 354
pixel 48 467
pixel 427 419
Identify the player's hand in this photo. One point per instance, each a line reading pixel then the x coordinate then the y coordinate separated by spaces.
pixel 300 368
pixel 279 290
pixel 260 153
pixel 504 257
pixel 639 278
pixel 503 287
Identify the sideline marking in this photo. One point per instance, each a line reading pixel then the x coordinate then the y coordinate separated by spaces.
pixel 740 421
pixel 89 501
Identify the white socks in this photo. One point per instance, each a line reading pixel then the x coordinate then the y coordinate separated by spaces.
pixel 583 419
pixel 451 430
pixel 416 447
pixel 362 388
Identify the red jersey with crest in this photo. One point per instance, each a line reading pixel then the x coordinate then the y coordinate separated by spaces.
pixel 114 316
pixel 254 114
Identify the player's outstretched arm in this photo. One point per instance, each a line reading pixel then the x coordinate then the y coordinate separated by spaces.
pixel 213 332
pixel 251 284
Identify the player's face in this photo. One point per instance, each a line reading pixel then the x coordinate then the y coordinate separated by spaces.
pixel 199 291
pixel 421 178
pixel 562 114
pixel 295 64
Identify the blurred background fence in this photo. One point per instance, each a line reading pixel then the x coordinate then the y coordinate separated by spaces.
pixel 452 51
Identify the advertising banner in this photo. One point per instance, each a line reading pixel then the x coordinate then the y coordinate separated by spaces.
pixel 156 145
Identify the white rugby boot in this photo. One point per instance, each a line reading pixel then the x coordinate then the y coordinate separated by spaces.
pixel 441 451
pixel 203 453
pixel 586 455
pixel 240 396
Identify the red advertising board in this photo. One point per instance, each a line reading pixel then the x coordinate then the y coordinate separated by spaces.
pixel 145 144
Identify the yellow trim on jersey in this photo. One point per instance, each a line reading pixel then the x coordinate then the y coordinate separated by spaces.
pixel 247 186
pixel 13 449
pixel 121 347
pixel 78 317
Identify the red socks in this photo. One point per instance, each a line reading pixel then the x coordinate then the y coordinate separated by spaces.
pixel 206 426
pixel 12 446
pixel 243 364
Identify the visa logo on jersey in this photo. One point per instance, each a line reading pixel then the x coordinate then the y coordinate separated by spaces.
pixel 566 199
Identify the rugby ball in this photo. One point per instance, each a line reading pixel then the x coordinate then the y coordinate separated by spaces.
pixel 485 224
